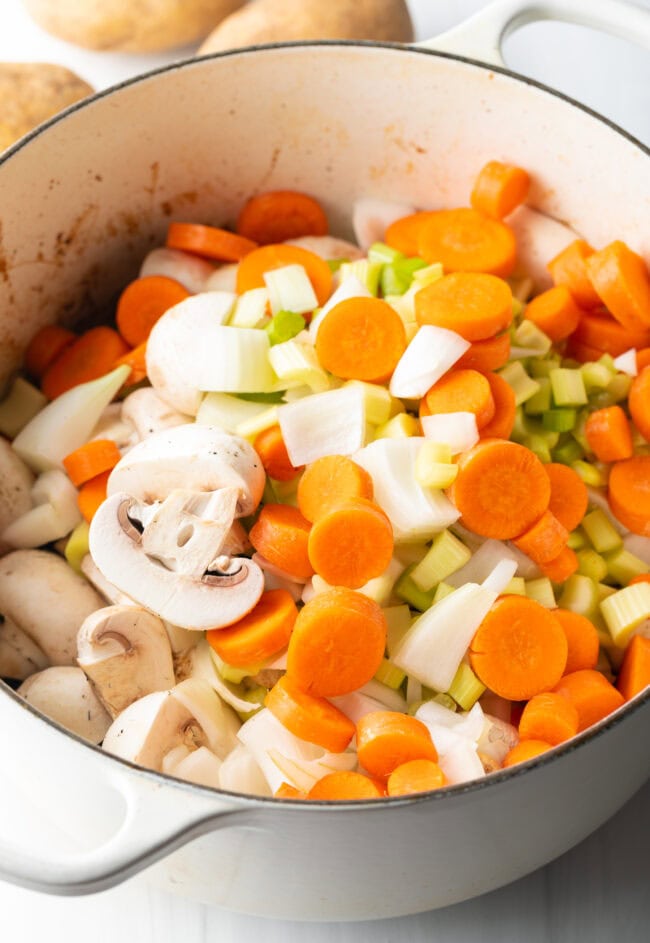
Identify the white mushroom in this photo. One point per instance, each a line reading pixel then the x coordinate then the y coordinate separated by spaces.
pixel 114 425
pixel 192 457
pixel 147 413
pixel 190 270
pixel 328 247
pixel 15 486
pixel 216 598
pixel 96 578
pixel 223 278
pixel 125 652
pixel 20 657
pixel 66 696
pixel 44 597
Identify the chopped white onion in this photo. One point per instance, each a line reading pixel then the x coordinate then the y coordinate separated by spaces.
pixel 290 289
pixel 191 271
pixel 626 362
pixel 232 360
pixel 501 575
pixel 200 766
pixel 331 423
pixel 350 287
pixel 431 353
pixel 203 666
pixel 457 430
pixel 390 699
pixel 371 218
pixel 357 705
pixel 240 772
pixel 488 556
pixel 460 762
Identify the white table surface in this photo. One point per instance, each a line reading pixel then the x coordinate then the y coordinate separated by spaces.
pixel 600 891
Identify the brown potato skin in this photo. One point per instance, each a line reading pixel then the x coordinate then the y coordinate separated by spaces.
pixel 32 92
pixel 130 25
pixel 269 21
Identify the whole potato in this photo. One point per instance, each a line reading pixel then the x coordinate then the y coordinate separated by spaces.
pixel 130 25
pixel 31 92
pixel 268 21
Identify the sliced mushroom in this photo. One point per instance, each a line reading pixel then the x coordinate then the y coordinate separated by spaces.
pixel 20 657
pixel 193 457
pixel 113 425
pixel 147 413
pixel 215 599
pixel 125 652
pixel 66 696
pixel 328 247
pixel 44 597
pixel 15 489
pixel 97 579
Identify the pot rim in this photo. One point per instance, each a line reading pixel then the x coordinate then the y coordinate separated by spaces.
pixel 446 792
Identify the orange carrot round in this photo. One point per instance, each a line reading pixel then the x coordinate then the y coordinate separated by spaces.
pixel 254 266
pixel 641 578
pixel 499 189
pixel 351 543
pixel 544 540
pixel 404 234
pixel 608 433
pixel 464 240
pixel 90 460
pixel 569 495
pixel 487 355
pixel 337 644
pixel 639 403
pixel 44 347
pixel 345 785
pixel 262 633
pixel 501 489
pixel 549 717
pixel 209 242
pixel 136 359
pixel 568 268
pixel 311 718
pixel 473 304
pixel 287 791
pixel 281 534
pixel 554 312
pixel 269 445
pixel 629 494
pixel 505 409
pixel 525 750
pixel 519 650
pixel 89 357
pixel 143 302
pixel 387 739
pixel 642 359
pixel 603 334
pixel 591 694
pixel 91 494
pixel 361 339
pixel 582 639
pixel 634 675
pixel 280 215
pixel 560 568
pixel 461 391
pixel 621 280
pixel 329 481
pixel 415 776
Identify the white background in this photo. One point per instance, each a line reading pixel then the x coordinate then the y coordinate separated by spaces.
pixel 600 891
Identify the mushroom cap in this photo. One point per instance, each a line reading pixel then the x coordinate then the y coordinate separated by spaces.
pixel 194 458
pixel 20 657
pixel 148 413
pixel 15 488
pixel 66 696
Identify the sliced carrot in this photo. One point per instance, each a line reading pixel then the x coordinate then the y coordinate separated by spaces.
pixel 634 675
pixel 464 240
pixel 554 312
pixel 499 189
pixel 560 568
pixel 549 717
pixel 280 534
pixel 287 791
pixel 346 785
pixel 253 267
pixel 337 644
pixel 262 633
pixel 404 233
pixel 568 268
pixel 629 493
pixel 621 280
pixel 91 494
pixel 280 215
pixel 89 357
pixel 609 434
pixel 361 339
pixel 591 694
pixel 505 409
pixel 569 495
pixel 387 739
pixel 605 334
pixel 90 460
pixel 44 347
pixel 519 650
pixel 583 353
pixel 642 359
pixel 487 355
pixel 329 481
pixel 544 540
pixel 143 302
pixel 136 359
pixel 311 718
pixel 269 445
pixel 461 391
pixel 209 242
pixel 473 304
pixel 351 543
pixel 641 578
pixel 638 402
pixel 525 750
pixel 501 489
pixel 415 776
pixel 582 639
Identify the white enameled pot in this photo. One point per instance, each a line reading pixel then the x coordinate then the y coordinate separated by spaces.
pixel 81 201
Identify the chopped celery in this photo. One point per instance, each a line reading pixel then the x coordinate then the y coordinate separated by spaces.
pixel 20 405
pixel 540 368
pixel 516 587
pixel 397 277
pixel 578 432
pixel 265 398
pixel 231 673
pixel 516 377
pixel 286 492
pixel 559 420
pixel 434 467
pixel 601 532
pixel 466 688
pixel 539 445
pixel 619 387
pixel 591 564
pixel 334 265
pixel 445 700
pixel 226 411
pixel 401 426
pixel 591 475
pixel 250 428
pixel 528 336
pixel 442 590
pixel 290 289
pixel 298 364
pixel 367 272
pixel 607 361
pixel 541 590
pixel 380 405
pixel 446 555
pixel 540 402
pixel 622 566
pixel 604 591
pixel 77 546
pixel 625 610
pixel 580 594
pixel 389 674
pixel 256 696
pixel 520 429
pixel 568 452
pixel 428 275
pixel 595 376
pixel 283 326
pixel 576 540
pixel 409 591
pixel 383 254
pixel 398 622
pixel 568 387
pixel 436 452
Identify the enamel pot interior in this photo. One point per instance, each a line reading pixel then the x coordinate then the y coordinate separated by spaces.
pixel 82 202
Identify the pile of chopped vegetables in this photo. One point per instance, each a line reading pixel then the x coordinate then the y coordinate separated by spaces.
pixel 339 520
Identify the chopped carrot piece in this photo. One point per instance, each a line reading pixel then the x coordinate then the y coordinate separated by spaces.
pixel 143 302
pixel 591 694
pixel 582 639
pixel 337 644
pixel 280 215
pixel 602 333
pixel 404 234
pixel 89 357
pixel 45 346
pixel 544 540
pixel 560 568
pixel 525 750
pixel 464 240
pixel 361 339
pixel 638 402
pixel 568 268
pixel 280 534
pixel 473 304
pixel 554 312
pixel 488 354
pixel 569 495
pixel 505 409
pixel 311 718
pixel 519 650
pixel 634 675
pixel 254 266
pixel 269 445
pixel 90 460
pixel 641 578
pixel 501 489
pixel 262 633
pixel 136 359
pixel 642 359
pixel 345 786
pixel 287 791
pixel 330 480
pixel 549 717
pixel 583 353
pixel 621 280
pixel 92 494
pixel 608 433
pixel 351 543
pixel 387 739
pixel 209 242
pixel 461 391
pixel 499 189
pixel 629 495
pixel 415 776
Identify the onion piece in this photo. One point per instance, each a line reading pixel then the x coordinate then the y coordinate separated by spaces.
pixel 457 430
pixel 371 218
pixel 240 772
pixel 331 423
pixel 626 362
pixel 431 353
pixel 482 563
pixel 357 705
pixel 501 575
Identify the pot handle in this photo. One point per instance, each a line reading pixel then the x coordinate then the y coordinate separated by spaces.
pixel 482 35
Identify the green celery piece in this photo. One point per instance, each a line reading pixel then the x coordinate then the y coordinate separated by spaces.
pixel 541 590
pixel 466 688
pixel 541 366
pixel 601 532
pixel 577 540
pixel 619 387
pixel 283 326
pixel 580 594
pixel 559 420
pixel 397 277
pixel 591 564
pixel 591 475
pixel 335 264
pixel 389 674
pixel 622 566
pixel 446 555
pixel 77 546
pixel 271 398
pixel 406 589
pixel 625 610
pixel 567 452
pixel 523 386
pixel 539 445
pixel 384 255
pixel 568 387
pixel 540 402
pixel 596 376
